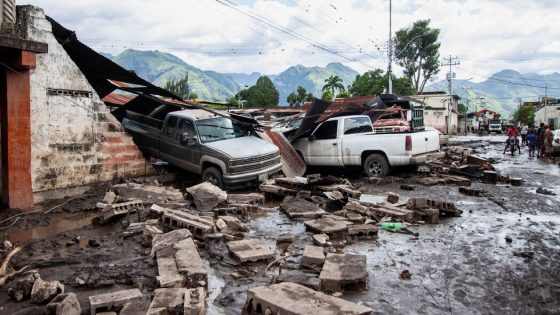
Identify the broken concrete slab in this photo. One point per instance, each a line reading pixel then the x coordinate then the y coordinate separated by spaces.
pixel 23 286
pixel 427 215
pixel 456 180
pixel 177 219
pixel 306 279
pixel 234 223
pixel 295 299
pixel 301 208
pixel 149 193
pixel 321 239
pixel 392 197
pixel 471 191
pixel 113 300
pixel 430 181
pixel 250 250
pixel 344 272
pixel 190 265
pixel 162 241
pixel 356 207
pixel 118 209
pixel 333 228
pixel 516 181
pixel 64 304
pixel 313 256
pixel 167 301
pixel 399 214
pixel 475 159
pixel 207 196
pixel 363 231
pixel 244 210
pixel 444 207
pixel 408 187
pixel 251 198
pixel 148 233
pixel 109 198
pixel 43 291
pixel 195 302
pixel 168 273
pixel 277 190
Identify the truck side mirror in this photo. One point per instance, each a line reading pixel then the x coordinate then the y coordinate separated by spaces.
pixel 185 139
pixel 311 138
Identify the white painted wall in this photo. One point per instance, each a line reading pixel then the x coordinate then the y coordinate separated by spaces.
pixel 440 111
pixel 545 114
pixel 74 140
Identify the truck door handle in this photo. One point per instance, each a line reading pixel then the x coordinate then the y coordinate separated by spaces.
pixel 425 139
pixel 335 144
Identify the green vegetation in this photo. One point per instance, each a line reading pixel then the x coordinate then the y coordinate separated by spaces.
pixel 262 94
pixel 327 96
pixel 374 82
pixel 417 51
pixel 333 82
pixel 343 94
pixel 462 108
pixel 525 115
pixel 181 88
pixel 297 99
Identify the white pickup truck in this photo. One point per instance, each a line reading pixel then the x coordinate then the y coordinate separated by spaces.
pixel 351 140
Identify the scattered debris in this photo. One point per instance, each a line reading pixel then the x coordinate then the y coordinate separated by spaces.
pixel 313 256
pixel 113 301
pixel 471 191
pixel 301 208
pixel 292 298
pixel 392 197
pixel 250 250
pixel 109 212
pixel 545 191
pixel 344 272
pixel 64 304
pixel 407 187
pixel 178 301
pixel 207 196
pixel 405 274
pixel 524 254
pixel 43 291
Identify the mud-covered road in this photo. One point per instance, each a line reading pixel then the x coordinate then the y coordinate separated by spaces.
pixel 463 265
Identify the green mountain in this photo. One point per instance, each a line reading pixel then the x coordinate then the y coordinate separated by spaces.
pixel 159 67
pixel 311 78
pixel 503 90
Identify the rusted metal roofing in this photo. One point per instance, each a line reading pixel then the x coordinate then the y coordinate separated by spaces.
pixel 292 163
pixel 114 99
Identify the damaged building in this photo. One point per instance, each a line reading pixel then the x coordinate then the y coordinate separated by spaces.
pixel 57 134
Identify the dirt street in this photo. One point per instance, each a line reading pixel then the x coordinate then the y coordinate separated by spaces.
pixel 501 256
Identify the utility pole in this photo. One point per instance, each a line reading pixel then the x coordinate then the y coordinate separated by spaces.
pixel 451 61
pixel 389 72
pixel 545 99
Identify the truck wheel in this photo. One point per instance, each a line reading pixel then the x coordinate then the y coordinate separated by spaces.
pixel 376 165
pixel 213 175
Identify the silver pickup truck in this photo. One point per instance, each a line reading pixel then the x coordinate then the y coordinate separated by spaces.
pixel 220 150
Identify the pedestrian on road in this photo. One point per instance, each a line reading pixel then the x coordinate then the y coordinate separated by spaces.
pixel 524 135
pixel 548 137
pixel 532 142
pixel 540 140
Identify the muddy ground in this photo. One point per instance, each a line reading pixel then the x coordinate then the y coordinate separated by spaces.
pixel 463 265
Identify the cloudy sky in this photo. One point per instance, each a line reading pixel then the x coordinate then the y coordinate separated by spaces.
pixel 269 36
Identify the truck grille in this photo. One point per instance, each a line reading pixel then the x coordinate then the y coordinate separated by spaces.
pixel 255 163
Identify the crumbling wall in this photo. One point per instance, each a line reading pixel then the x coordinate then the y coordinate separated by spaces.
pixel 75 139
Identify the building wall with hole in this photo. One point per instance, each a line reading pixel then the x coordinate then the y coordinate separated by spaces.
pixel 75 141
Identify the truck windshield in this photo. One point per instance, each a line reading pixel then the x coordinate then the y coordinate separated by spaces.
pixel 216 129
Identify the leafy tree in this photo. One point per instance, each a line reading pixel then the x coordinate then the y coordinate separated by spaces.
pixel 462 108
pixel 181 88
pixel 343 94
pixel 333 82
pixel 525 115
pixel 417 51
pixel 299 98
pixel 262 94
pixel 327 96
pixel 233 101
pixel 374 82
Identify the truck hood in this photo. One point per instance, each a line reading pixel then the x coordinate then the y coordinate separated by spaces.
pixel 243 147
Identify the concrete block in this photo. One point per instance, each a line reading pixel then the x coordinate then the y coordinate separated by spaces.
pixel 392 197
pixel 168 273
pixel 295 299
pixel 167 301
pixel 113 300
pixel 190 265
pixel 344 272
pixel 313 256
pixel 250 250
pixel 195 302
pixel 320 239
pixel 207 196
pixel 326 226
pixel 234 223
pixel 301 208
pixel 64 304
pixel 363 231
pixel 162 241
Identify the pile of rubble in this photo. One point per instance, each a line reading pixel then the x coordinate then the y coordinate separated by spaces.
pixel 460 166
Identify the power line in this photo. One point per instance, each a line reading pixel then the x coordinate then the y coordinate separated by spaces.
pixel 508 82
pixel 289 32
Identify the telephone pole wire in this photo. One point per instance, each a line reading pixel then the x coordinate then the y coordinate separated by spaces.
pixel 451 61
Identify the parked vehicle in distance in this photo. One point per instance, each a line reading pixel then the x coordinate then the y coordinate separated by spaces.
pixel 495 125
pixel 393 120
pixel 220 150
pixel 351 140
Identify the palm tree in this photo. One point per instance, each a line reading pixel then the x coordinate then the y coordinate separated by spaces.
pixel 333 82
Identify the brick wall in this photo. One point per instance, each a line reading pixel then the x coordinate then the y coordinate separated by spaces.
pixel 75 140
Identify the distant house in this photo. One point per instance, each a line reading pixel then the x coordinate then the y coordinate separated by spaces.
pixel 440 110
pixel 548 112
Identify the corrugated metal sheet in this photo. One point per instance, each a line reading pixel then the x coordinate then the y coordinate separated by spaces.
pixel 292 164
pixel 117 99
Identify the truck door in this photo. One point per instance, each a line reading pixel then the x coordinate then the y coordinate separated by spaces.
pixel 168 140
pixel 188 148
pixel 324 149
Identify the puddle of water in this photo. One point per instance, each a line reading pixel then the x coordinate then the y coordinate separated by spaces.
pixel 55 228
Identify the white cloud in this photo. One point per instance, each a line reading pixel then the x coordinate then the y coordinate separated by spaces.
pixel 487 36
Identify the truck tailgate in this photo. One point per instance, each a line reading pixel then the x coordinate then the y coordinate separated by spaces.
pixel 424 141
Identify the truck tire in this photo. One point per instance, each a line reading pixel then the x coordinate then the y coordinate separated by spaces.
pixel 375 165
pixel 213 175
